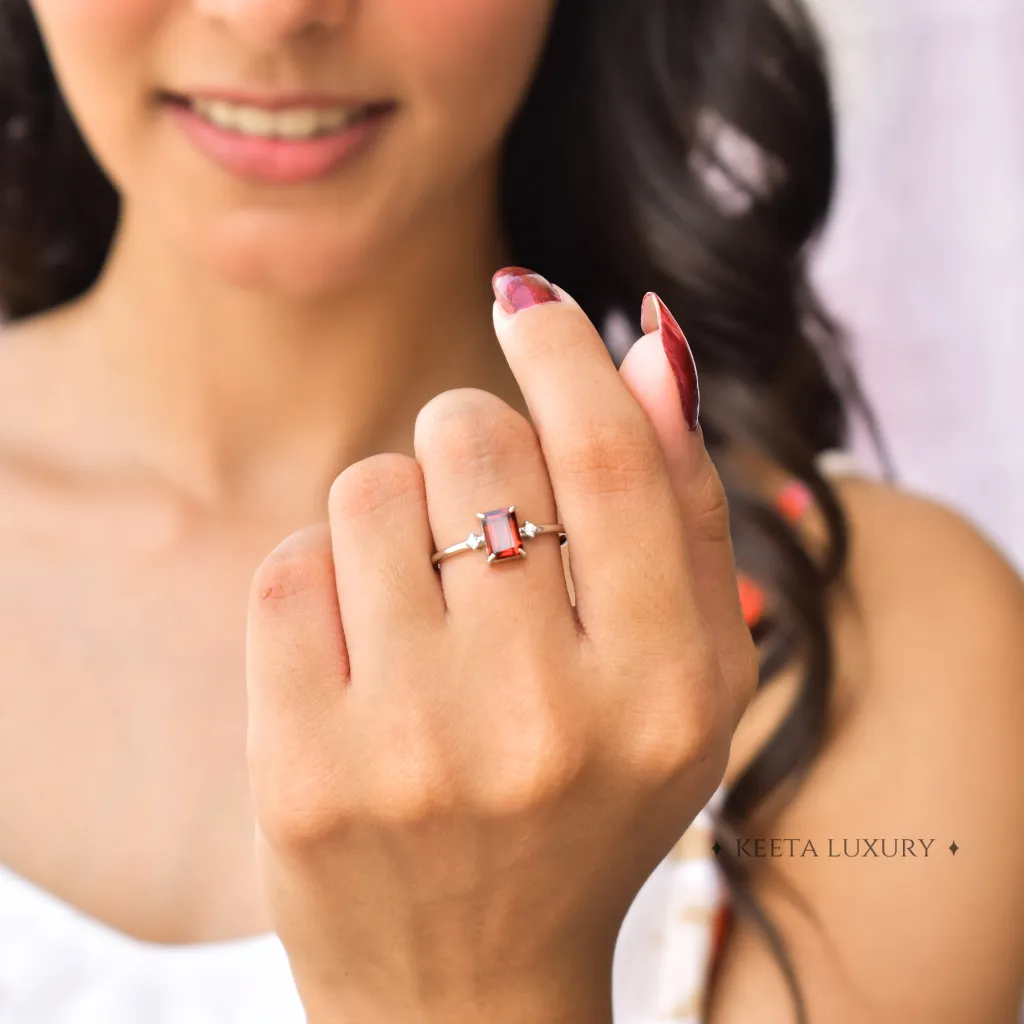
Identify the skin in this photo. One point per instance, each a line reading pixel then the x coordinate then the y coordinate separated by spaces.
pixel 152 452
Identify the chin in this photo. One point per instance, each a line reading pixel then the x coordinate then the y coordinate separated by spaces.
pixel 305 259
pixel 288 273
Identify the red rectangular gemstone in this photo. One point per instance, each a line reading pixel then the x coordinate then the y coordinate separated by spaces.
pixel 501 532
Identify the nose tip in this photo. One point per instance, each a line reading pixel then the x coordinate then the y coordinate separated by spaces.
pixel 265 23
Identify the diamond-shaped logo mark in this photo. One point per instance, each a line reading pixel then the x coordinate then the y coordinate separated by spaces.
pixel 716 846
pixel 953 847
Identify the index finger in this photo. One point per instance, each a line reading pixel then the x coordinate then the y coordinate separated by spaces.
pixel 612 487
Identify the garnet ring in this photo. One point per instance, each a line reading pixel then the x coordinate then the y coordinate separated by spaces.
pixel 502 536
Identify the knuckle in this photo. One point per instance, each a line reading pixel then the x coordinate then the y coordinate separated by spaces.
pixel 744 670
pixel 474 430
pixel 615 457
pixel 535 770
pixel 709 506
pixel 416 783
pixel 421 792
pixel 373 483
pixel 295 825
pixel 520 788
pixel 679 728
pixel 296 809
pixel 301 564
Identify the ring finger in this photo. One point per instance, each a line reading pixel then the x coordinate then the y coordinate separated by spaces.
pixel 479 455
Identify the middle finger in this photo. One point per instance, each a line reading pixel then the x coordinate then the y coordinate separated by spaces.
pixel 627 542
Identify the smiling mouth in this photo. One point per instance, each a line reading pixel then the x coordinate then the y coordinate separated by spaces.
pixel 296 123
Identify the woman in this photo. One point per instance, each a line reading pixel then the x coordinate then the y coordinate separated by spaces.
pixel 283 298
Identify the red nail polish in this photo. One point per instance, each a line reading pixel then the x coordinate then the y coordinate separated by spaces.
pixel 515 288
pixel 655 315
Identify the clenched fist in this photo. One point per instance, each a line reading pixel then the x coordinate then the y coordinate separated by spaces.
pixel 461 778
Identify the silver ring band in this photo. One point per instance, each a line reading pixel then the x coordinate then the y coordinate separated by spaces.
pixel 502 537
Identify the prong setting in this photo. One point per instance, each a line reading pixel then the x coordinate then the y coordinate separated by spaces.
pixel 502 536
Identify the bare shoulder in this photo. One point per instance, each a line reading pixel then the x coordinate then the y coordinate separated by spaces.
pixel 908 823
pixel 917 565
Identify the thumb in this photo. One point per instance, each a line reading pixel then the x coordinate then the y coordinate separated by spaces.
pixel 660 373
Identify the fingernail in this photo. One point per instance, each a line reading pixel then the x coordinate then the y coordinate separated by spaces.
pixel 655 316
pixel 515 288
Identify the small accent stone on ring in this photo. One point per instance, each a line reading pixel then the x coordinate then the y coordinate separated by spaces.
pixel 529 529
pixel 474 540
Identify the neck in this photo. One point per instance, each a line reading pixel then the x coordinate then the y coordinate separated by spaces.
pixel 242 396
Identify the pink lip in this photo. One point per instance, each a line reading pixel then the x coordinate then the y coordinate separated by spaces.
pixel 277 161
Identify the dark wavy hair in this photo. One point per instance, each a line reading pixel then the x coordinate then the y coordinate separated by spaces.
pixel 685 146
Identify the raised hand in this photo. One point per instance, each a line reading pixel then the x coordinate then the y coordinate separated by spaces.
pixel 461 779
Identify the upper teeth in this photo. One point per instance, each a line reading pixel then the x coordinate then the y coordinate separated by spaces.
pixel 293 123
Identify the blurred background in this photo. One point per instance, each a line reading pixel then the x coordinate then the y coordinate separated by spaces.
pixel 924 256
